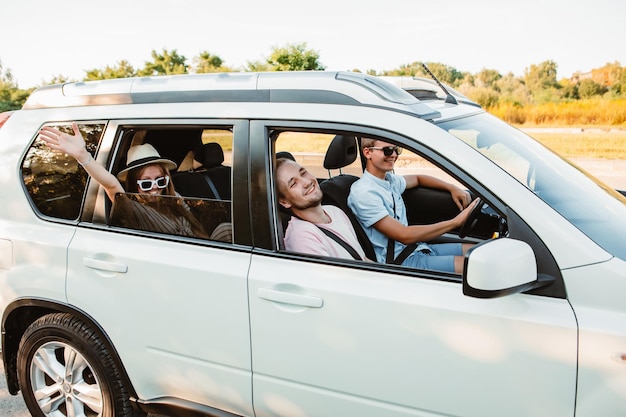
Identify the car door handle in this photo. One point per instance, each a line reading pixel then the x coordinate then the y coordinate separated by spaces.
pixel 290 298
pixel 101 265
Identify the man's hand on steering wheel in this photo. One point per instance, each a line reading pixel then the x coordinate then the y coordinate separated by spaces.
pixel 470 214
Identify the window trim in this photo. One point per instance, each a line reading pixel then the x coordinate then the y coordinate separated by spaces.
pixel 263 160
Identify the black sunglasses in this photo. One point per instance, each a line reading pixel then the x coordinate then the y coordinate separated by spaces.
pixel 388 150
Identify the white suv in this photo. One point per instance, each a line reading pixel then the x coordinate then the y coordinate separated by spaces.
pixel 102 316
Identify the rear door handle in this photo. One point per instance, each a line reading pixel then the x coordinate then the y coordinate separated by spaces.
pixel 101 265
pixel 290 298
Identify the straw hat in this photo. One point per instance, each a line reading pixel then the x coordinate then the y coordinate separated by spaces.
pixel 140 155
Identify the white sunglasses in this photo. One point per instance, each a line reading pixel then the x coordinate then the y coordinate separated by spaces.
pixel 161 182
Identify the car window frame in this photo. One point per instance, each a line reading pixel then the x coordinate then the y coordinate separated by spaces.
pixel 95 213
pixel 264 163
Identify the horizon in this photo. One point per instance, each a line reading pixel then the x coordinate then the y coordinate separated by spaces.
pixel 49 41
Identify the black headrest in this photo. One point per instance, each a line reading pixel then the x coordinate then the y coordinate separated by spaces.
pixel 285 154
pixel 174 143
pixel 341 152
pixel 212 155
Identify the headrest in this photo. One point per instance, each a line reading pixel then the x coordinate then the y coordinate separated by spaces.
pixel 286 155
pixel 341 152
pixel 212 155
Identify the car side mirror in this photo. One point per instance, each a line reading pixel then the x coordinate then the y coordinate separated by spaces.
pixel 500 267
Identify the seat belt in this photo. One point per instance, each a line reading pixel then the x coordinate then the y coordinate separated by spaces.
pixel 212 187
pixel 342 242
pixel 391 245
pixel 408 249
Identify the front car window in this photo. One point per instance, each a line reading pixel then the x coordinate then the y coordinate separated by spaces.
pixel 55 182
pixel 591 206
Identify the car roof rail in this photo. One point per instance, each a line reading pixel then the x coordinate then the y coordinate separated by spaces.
pixel 330 87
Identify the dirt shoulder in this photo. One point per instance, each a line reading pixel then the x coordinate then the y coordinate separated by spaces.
pixel 610 171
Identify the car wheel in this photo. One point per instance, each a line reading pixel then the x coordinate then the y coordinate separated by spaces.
pixel 64 370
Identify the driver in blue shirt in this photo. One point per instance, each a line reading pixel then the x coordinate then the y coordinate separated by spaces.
pixel 376 200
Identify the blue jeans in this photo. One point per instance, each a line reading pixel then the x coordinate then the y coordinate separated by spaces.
pixel 440 258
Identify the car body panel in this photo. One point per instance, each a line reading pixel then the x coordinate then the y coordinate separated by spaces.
pixel 192 305
pixel 596 293
pixel 403 345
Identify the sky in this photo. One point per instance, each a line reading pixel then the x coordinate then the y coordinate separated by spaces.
pixel 42 39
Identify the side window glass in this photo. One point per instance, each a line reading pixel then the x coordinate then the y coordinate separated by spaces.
pixel 193 199
pixel 55 182
pixel 417 191
pixel 173 215
pixel 208 174
pixel 333 160
pixel 310 149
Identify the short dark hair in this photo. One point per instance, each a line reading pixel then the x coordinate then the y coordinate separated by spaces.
pixel 280 162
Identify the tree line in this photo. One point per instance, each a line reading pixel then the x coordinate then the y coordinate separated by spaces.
pixel 501 93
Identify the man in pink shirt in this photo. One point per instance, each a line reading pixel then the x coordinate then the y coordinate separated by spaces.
pixel 312 225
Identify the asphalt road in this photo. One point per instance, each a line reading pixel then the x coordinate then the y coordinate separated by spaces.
pixel 10 405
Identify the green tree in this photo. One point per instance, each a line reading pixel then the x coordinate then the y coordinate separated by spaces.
pixel 620 87
pixel 206 63
pixel 513 90
pixel 588 88
pixel 615 79
pixel 541 81
pixel 11 97
pixel 165 63
pixel 488 78
pixel 7 86
pixel 569 89
pixel 414 69
pixel 122 70
pixel 57 79
pixel 291 57
pixel 445 73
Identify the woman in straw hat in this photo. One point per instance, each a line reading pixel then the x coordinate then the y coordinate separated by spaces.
pixel 147 174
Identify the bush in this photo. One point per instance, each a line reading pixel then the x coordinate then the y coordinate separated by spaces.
pixel 594 111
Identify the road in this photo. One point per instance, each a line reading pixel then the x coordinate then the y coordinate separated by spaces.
pixel 10 405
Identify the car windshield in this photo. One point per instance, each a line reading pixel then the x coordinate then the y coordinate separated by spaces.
pixel 592 206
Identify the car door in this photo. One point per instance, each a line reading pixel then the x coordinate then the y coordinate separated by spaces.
pixel 330 339
pixel 342 337
pixel 175 308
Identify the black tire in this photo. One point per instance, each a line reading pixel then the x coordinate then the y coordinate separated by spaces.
pixel 93 388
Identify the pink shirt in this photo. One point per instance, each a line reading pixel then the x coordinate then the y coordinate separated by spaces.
pixel 305 237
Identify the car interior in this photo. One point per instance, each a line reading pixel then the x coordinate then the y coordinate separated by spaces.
pixel 424 205
pixel 202 180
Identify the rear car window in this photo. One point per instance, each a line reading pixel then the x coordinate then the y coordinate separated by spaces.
pixel 55 182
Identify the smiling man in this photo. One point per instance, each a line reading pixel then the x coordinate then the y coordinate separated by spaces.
pixel 376 200
pixel 313 228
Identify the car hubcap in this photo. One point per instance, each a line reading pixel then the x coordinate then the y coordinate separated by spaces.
pixel 64 383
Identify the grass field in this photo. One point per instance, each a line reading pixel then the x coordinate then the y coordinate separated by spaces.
pixel 580 142
pixel 589 142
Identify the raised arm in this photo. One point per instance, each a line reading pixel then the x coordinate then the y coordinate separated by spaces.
pixel 74 146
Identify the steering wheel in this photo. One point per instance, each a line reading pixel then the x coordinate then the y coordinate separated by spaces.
pixel 471 219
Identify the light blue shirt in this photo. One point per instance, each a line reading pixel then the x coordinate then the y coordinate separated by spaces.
pixel 371 199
